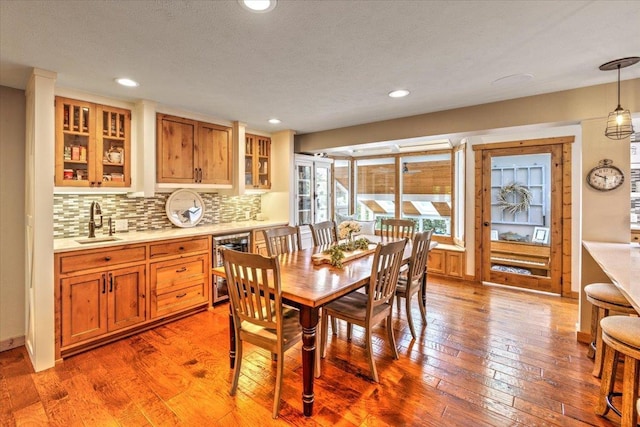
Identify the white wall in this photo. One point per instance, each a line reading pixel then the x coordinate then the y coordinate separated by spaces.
pixel 12 152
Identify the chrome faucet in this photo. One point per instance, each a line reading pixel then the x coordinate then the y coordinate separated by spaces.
pixel 94 210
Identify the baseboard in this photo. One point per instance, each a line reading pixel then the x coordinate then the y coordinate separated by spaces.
pixel 583 337
pixel 11 343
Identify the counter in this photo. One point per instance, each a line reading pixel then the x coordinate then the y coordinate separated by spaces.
pixel 71 243
pixel 621 263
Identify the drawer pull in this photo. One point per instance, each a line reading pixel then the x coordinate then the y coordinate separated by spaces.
pixel 181 270
pixel 110 282
pixel 181 248
pixel 107 258
pixel 104 283
pixel 184 294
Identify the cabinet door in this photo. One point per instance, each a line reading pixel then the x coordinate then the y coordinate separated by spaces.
pixel 257 161
pixel 75 142
pixel 84 307
pixel 454 264
pixel 113 147
pixel 436 261
pixel 304 193
pixel 213 154
pixel 126 297
pixel 175 145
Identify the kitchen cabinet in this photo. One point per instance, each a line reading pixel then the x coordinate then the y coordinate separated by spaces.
pixel 179 275
pixel 257 162
pixel 101 292
pixel 446 261
pixel 93 144
pixel 192 152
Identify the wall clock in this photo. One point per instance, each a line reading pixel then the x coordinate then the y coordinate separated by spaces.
pixel 605 176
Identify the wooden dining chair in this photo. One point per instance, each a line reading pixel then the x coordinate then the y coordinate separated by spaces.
pixel 367 310
pixel 411 283
pixel 392 227
pixel 282 240
pixel 258 314
pixel 324 233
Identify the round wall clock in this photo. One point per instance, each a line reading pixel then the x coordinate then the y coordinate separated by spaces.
pixel 605 176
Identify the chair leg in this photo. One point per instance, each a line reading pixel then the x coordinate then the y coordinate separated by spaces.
pixel 423 309
pixel 597 363
pixel 276 394
pixel 238 364
pixel 608 379
pixel 591 351
pixel 369 345
pixel 323 334
pixel 630 392
pixel 334 326
pixel 349 329
pixel 407 305
pixel 392 339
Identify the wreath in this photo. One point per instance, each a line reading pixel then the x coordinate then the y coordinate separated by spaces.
pixel 521 198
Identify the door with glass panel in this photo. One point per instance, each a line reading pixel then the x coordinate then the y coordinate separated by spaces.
pixel 313 190
pixel 521 210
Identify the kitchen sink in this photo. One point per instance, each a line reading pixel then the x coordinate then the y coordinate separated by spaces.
pixel 97 239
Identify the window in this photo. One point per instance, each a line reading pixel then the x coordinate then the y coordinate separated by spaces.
pixel 375 189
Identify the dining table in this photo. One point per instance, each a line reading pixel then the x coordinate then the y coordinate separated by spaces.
pixel 308 286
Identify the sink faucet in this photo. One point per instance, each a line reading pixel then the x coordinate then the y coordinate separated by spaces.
pixel 94 210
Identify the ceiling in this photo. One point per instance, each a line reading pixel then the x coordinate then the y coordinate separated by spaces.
pixel 317 65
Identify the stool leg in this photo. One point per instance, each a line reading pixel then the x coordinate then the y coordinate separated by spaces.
pixel 597 363
pixel 608 379
pixel 591 353
pixel 629 392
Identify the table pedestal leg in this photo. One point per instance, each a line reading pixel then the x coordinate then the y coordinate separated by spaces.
pixel 309 322
pixel 232 340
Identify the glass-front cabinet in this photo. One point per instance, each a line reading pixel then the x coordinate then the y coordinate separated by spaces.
pixel 92 145
pixel 313 190
pixel 257 167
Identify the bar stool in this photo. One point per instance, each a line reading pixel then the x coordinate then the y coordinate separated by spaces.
pixel 621 336
pixel 604 297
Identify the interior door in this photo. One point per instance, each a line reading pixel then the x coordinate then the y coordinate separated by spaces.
pixel 322 197
pixel 522 217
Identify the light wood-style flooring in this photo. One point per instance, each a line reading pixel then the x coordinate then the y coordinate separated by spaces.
pixel 489 356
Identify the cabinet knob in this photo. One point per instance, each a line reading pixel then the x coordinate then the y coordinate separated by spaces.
pixel 107 258
pixel 181 248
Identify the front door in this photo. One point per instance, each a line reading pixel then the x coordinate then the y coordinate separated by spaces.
pixel 522 232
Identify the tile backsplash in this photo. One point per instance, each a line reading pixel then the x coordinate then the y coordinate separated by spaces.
pixel 71 211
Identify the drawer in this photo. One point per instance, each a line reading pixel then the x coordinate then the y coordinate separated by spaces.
pixel 178 247
pixel 179 299
pixel 166 274
pixel 101 258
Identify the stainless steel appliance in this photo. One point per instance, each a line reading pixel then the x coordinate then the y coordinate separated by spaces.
pixel 238 242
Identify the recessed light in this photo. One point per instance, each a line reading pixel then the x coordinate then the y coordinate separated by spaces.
pixel 274 121
pixel 399 93
pixel 513 79
pixel 258 6
pixel 127 82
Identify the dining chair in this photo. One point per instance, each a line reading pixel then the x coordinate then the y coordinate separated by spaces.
pixel 324 233
pixel 282 240
pixel 258 314
pixel 367 310
pixel 411 283
pixel 392 227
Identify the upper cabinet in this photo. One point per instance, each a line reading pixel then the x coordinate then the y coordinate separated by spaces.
pixel 93 145
pixel 193 152
pixel 257 163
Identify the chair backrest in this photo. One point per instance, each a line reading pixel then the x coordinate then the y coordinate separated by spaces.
pixel 324 233
pixel 392 227
pixel 253 281
pixel 282 240
pixel 384 273
pixel 419 253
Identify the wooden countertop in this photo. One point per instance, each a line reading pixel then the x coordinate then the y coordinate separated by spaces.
pixel 126 238
pixel 621 263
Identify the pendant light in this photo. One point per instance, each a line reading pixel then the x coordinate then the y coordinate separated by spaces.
pixel 619 124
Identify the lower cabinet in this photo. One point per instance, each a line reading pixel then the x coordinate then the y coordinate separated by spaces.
pixel 446 262
pixel 98 303
pixel 178 284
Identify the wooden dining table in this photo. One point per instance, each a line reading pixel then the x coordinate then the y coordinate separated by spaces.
pixel 308 287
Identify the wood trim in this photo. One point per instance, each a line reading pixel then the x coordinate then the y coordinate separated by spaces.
pixel 561 188
pixel 10 343
pixel 524 143
pixel 583 337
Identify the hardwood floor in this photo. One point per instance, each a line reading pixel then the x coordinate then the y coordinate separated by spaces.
pixel 489 356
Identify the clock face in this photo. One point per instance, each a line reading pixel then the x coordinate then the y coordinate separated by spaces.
pixel 605 178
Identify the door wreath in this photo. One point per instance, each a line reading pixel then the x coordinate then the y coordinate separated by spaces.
pixel 521 198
